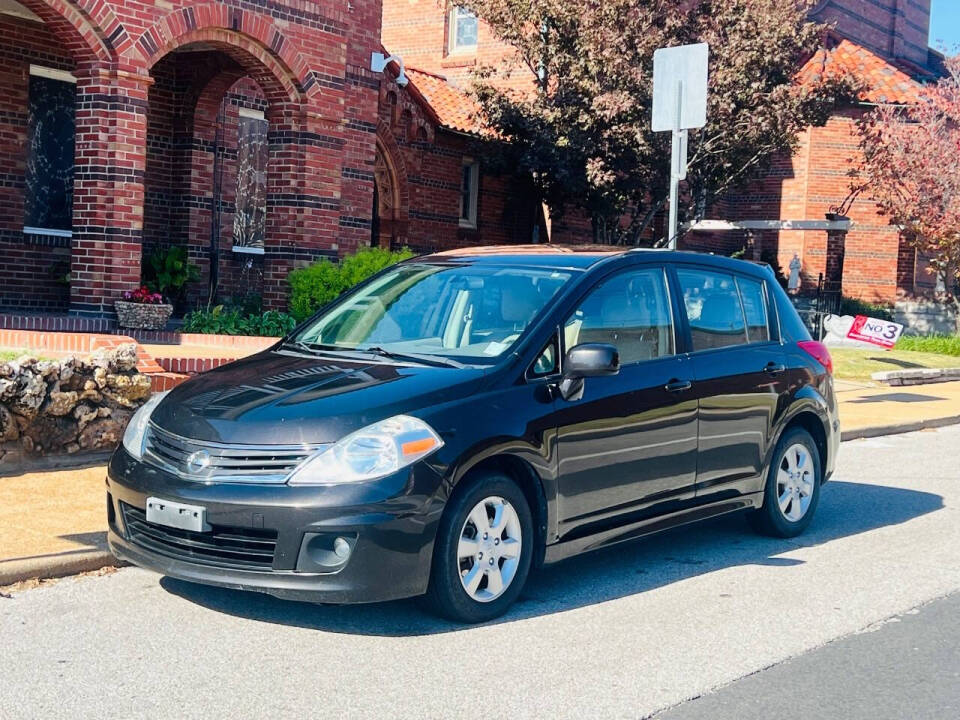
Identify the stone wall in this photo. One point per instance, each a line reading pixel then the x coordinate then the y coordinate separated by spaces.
pixel 923 317
pixel 67 406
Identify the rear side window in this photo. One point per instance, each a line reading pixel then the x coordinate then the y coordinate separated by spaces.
pixel 713 308
pixel 630 311
pixel 754 300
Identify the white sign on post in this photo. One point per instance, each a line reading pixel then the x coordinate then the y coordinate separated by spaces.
pixel 679 104
pixel 680 87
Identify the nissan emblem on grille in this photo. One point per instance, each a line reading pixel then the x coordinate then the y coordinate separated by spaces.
pixel 198 462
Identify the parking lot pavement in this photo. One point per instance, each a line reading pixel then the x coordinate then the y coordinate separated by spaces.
pixel 905 667
pixel 624 632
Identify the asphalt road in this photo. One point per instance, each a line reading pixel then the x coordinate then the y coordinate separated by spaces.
pixel 904 667
pixel 625 632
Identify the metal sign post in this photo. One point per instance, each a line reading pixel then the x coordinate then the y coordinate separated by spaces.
pixel 679 104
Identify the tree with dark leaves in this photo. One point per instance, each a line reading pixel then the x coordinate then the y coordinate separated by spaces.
pixel 582 131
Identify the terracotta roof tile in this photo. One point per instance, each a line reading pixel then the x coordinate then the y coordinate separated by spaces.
pixel 883 82
pixel 454 108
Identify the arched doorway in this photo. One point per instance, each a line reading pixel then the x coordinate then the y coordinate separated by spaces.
pixel 208 167
pixel 389 226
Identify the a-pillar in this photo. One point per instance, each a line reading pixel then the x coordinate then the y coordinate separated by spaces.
pixel 111 131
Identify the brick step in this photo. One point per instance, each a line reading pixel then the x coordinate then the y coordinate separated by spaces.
pixel 66 343
pixel 81 326
pixel 191 365
pixel 161 381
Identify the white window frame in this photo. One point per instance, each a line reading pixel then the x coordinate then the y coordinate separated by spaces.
pixel 452 45
pixel 470 221
pixel 53 74
pixel 251 113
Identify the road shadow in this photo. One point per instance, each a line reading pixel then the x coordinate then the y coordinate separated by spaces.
pixel 901 397
pixel 845 509
pixel 905 364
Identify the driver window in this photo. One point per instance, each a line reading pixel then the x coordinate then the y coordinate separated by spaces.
pixel 630 311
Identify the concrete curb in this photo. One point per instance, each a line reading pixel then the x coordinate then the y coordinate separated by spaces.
pixel 917 376
pixel 55 566
pixel 869 432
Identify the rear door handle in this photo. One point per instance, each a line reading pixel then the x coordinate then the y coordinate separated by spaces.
pixel 773 368
pixel 678 385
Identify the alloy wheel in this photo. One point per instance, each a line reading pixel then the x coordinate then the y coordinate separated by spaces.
pixel 488 552
pixel 795 482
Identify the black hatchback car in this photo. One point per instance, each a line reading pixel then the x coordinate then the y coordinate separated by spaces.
pixel 463 417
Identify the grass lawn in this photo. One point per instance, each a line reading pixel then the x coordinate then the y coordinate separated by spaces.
pixel 856 364
pixel 13 354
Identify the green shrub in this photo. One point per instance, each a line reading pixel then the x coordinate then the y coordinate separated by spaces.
pixel 230 321
pixel 855 306
pixel 941 344
pixel 313 287
pixel 168 271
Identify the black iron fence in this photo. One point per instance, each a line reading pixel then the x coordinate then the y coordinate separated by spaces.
pixel 829 299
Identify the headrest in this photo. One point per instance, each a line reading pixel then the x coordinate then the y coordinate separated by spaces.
pixel 721 311
pixel 519 299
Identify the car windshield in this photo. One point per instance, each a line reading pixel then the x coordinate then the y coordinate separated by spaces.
pixel 471 313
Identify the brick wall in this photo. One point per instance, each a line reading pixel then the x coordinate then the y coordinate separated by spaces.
pixel 148 75
pixel 890 28
pixel 418 30
pixel 418 166
pixel 33 267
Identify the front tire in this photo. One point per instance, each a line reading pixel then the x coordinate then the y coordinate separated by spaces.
pixel 483 550
pixel 793 487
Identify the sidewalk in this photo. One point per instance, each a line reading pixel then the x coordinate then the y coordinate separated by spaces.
pixel 53 523
pixel 867 411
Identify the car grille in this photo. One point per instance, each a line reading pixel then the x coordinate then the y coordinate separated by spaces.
pixel 217 462
pixel 224 546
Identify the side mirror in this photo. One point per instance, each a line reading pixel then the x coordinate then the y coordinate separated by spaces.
pixel 587 360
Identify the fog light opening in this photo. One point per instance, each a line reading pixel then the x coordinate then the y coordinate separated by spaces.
pixel 325 552
pixel 341 548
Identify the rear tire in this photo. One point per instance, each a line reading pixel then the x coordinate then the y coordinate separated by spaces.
pixel 483 550
pixel 792 490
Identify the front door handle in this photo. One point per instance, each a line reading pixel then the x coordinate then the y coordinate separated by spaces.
pixel 773 368
pixel 677 385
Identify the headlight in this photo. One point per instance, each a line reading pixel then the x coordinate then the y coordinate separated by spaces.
pixel 373 452
pixel 133 435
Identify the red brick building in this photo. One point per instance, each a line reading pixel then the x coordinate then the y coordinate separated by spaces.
pixel 884 43
pixel 254 134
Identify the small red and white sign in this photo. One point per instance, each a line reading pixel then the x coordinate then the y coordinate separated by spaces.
pixel 876 332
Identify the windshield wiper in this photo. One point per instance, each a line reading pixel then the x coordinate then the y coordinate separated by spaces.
pixel 311 348
pixel 437 360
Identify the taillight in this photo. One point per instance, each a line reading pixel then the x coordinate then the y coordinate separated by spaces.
pixel 818 351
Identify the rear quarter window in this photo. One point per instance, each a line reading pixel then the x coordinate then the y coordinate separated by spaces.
pixel 792 328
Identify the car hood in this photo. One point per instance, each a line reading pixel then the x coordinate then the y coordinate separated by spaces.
pixel 279 397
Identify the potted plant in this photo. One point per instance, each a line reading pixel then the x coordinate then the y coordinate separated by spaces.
pixel 143 310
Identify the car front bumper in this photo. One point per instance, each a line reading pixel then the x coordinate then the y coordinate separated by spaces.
pixel 390 525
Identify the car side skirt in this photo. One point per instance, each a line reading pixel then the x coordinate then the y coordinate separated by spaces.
pixel 622 533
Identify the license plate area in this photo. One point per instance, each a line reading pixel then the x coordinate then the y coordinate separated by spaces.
pixel 177 515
